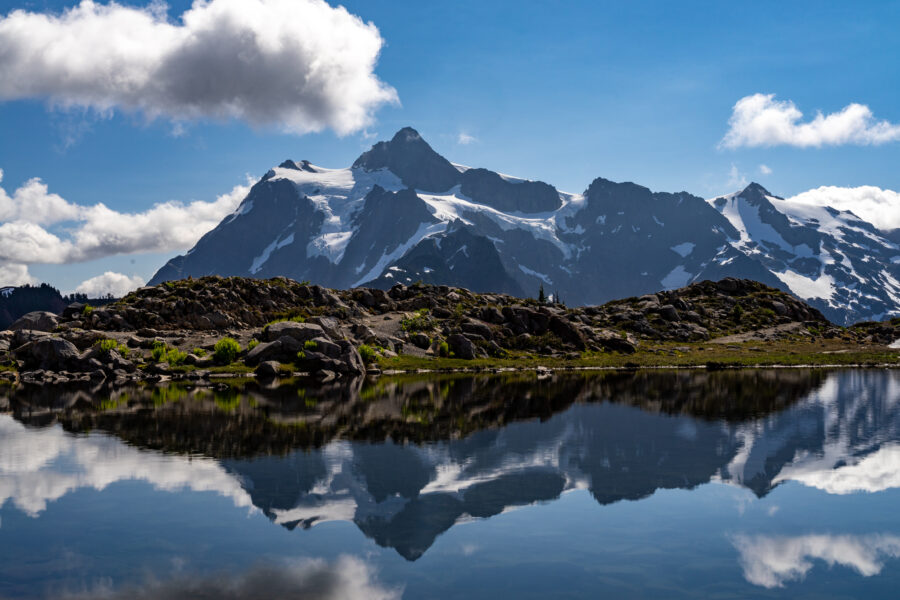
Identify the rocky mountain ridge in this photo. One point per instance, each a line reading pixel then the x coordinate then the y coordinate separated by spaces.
pixel 402 213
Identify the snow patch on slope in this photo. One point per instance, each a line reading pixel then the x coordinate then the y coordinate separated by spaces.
pixel 677 277
pixel 683 249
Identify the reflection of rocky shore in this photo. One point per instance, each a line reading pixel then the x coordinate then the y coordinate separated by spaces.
pixel 258 420
pixel 305 456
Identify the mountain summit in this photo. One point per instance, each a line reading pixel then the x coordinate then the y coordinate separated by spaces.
pixel 403 213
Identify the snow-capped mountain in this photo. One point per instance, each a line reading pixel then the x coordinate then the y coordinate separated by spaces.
pixel 403 213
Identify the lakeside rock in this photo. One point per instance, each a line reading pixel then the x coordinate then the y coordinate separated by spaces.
pixel 317 330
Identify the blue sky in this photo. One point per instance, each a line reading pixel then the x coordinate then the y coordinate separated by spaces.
pixel 558 91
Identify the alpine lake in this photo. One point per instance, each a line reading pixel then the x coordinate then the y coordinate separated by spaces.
pixel 756 483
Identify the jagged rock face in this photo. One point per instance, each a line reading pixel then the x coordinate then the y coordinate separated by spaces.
pixel 834 260
pixel 411 158
pixel 491 189
pixel 403 213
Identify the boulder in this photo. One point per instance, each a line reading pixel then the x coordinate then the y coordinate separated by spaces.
pixel 52 354
pixel 327 347
pixel 299 331
pixel 479 329
pixel 36 321
pixel 268 369
pixel 420 340
pixel 669 313
pixel 264 352
pixel 461 346
pixel 329 325
pixel 567 332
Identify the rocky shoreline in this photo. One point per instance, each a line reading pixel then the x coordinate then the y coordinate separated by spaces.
pixel 198 328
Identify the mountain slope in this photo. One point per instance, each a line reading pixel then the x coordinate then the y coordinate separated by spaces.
pixel 403 213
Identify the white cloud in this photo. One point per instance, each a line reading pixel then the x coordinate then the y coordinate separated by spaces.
pixel 99 231
pixel 15 275
pixel 765 170
pixel 465 139
pixel 876 472
pixel 116 284
pixel 33 203
pixel 300 65
pixel 771 561
pixel 760 120
pixel 879 207
pixel 736 179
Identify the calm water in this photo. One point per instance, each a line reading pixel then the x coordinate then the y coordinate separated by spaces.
pixel 779 483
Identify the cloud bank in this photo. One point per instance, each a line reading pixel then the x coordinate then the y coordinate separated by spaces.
pixel 109 282
pixel 879 207
pixel 300 65
pixel 772 561
pixel 760 120
pixel 39 227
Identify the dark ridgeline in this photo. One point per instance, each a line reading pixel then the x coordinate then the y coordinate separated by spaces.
pixel 18 301
pixel 622 435
pixel 505 235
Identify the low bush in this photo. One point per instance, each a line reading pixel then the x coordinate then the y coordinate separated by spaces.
pixel 158 351
pixel 443 349
pixel 226 350
pixel 175 357
pixel 367 353
pixel 199 352
pixel 420 322
pixel 252 344
pixel 310 345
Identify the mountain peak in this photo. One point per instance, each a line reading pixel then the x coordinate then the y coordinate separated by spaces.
pixel 754 190
pixel 413 160
pixel 407 134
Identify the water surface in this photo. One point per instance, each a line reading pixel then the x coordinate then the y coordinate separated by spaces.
pixel 761 483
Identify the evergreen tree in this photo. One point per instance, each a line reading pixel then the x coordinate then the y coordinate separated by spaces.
pixel 541 297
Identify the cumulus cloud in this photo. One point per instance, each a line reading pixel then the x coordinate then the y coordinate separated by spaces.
pixel 771 561
pixel 100 231
pixel 879 207
pixel 15 275
pixel 91 232
pixel 300 65
pixel 876 472
pixel 765 170
pixel 33 203
pixel 760 120
pixel 465 139
pixel 116 284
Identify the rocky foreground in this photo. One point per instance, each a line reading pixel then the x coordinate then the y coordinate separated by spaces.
pixel 188 327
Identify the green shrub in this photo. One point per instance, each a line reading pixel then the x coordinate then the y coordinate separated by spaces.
pixel 367 353
pixel 87 310
pixel 226 350
pixel 252 344
pixel 159 350
pixel 444 349
pixel 294 319
pixel 420 322
pixel 310 345
pixel 107 345
pixel 199 352
pixel 175 357
pixel 301 355
pixel 737 313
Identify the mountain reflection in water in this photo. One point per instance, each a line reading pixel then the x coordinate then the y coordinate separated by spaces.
pixel 405 459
